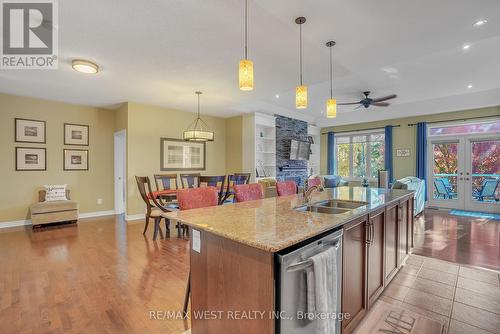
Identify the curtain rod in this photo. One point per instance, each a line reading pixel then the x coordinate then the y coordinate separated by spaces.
pixel 377 128
pixel 451 120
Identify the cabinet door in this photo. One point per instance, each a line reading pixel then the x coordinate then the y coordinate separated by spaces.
pixel 391 242
pixel 354 274
pixel 403 231
pixel 375 263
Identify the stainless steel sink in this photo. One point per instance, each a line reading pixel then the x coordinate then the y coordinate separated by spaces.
pixel 335 203
pixel 322 209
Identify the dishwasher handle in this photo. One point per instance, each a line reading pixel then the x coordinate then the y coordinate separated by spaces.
pixel 307 263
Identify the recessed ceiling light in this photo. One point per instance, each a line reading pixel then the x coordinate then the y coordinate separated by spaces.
pixel 85 66
pixel 481 22
pixel 466 46
pixel 469 86
pixel 277 96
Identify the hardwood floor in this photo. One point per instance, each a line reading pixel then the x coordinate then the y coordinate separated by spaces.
pixel 104 276
pixel 100 276
pixel 458 239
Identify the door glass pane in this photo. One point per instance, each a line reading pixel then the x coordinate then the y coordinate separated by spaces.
pixel 343 159
pixel 485 171
pixel 377 149
pixel 359 152
pixel 445 170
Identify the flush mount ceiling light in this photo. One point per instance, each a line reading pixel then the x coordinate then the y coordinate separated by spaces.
pixel 301 89
pixel 246 66
pixel 481 22
pixel 198 130
pixel 331 103
pixel 85 66
pixel 469 86
pixel 466 47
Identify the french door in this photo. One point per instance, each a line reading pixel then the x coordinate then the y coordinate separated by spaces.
pixel 463 171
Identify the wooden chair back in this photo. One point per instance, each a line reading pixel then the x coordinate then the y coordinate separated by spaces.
pixel 217 182
pixel 166 182
pixel 191 180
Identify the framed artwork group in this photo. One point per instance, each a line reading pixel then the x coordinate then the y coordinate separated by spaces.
pixel 35 158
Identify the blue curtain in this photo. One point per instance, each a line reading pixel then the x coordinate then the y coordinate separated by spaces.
pixel 330 154
pixel 422 152
pixel 388 151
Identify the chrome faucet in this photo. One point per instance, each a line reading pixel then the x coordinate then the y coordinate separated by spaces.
pixel 307 193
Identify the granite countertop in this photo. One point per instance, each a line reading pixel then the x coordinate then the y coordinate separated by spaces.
pixel 272 224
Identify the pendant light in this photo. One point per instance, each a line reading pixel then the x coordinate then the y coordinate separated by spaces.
pixel 246 66
pixel 198 130
pixel 301 90
pixel 331 103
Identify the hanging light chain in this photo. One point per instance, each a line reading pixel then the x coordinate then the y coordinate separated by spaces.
pixel 300 52
pixel 331 73
pixel 246 29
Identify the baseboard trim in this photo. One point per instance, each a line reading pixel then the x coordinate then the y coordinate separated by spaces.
pixel 17 223
pixel 135 217
pixel 96 214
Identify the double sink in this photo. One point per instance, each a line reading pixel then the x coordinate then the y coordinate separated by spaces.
pixel 331 206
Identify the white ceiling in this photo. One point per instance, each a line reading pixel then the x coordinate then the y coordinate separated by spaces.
pixel 160 52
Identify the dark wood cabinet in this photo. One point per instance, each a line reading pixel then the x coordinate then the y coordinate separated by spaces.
pixel 354 299
pixel 375 255
pixel 402 231
pixel 391 242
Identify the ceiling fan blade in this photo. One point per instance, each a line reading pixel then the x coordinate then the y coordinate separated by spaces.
pixel 347 104
pixel 381 104
pixel 358 107
pixel 388 97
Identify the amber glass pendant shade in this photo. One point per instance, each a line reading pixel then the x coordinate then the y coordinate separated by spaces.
pixel 301 97
pixel 331 108
pixel 246 75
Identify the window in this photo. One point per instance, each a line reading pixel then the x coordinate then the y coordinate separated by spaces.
pixel 360 155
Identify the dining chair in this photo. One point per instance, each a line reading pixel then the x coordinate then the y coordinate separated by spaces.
pixel 235 179
pixel 286 188
pixel 153 208
pixel 443 190
pixel 191 180
pixel 166 186
pixel 314 181
pixel 214 181
pixel 195 198
pixel 248 192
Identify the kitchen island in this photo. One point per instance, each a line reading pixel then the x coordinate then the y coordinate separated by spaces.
pixel 234 250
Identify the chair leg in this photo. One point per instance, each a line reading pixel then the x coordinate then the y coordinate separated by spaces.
pixel 167 225
pixel 157 227
pixel 146 224
pixel 186 296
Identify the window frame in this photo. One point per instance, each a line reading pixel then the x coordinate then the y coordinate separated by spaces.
pixel 368 168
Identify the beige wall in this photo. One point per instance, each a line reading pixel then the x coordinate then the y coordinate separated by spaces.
pixel 234 129
pixel 146 125
pixel 405 136
pixel 19 189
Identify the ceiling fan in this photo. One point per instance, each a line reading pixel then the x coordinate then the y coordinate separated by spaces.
pixel 368 101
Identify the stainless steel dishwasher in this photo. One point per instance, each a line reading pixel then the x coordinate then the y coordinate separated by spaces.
pixel 291 286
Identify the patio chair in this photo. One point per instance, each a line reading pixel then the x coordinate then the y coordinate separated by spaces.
pixel 443 190
pixel 487 190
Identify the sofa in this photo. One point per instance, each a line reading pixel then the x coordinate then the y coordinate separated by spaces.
pixel 413 183
pixel 47 212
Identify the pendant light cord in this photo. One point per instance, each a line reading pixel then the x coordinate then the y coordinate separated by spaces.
pixel 246 29
pixel 331 73
pixel 198 106
pixel 300 52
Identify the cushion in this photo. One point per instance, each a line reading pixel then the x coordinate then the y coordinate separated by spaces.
pixel 53 206
pixel 55 193
pixel 332 181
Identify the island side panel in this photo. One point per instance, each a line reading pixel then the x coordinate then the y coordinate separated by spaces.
pixel 227 277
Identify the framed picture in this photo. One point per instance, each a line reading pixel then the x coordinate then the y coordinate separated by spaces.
pixel 76 134
pixel 31 159
pixel 29 131
pixel 76 159
pixel 403 152
pixel 177 154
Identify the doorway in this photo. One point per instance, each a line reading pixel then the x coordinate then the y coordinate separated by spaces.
pixel 464 169
pixel 120 140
